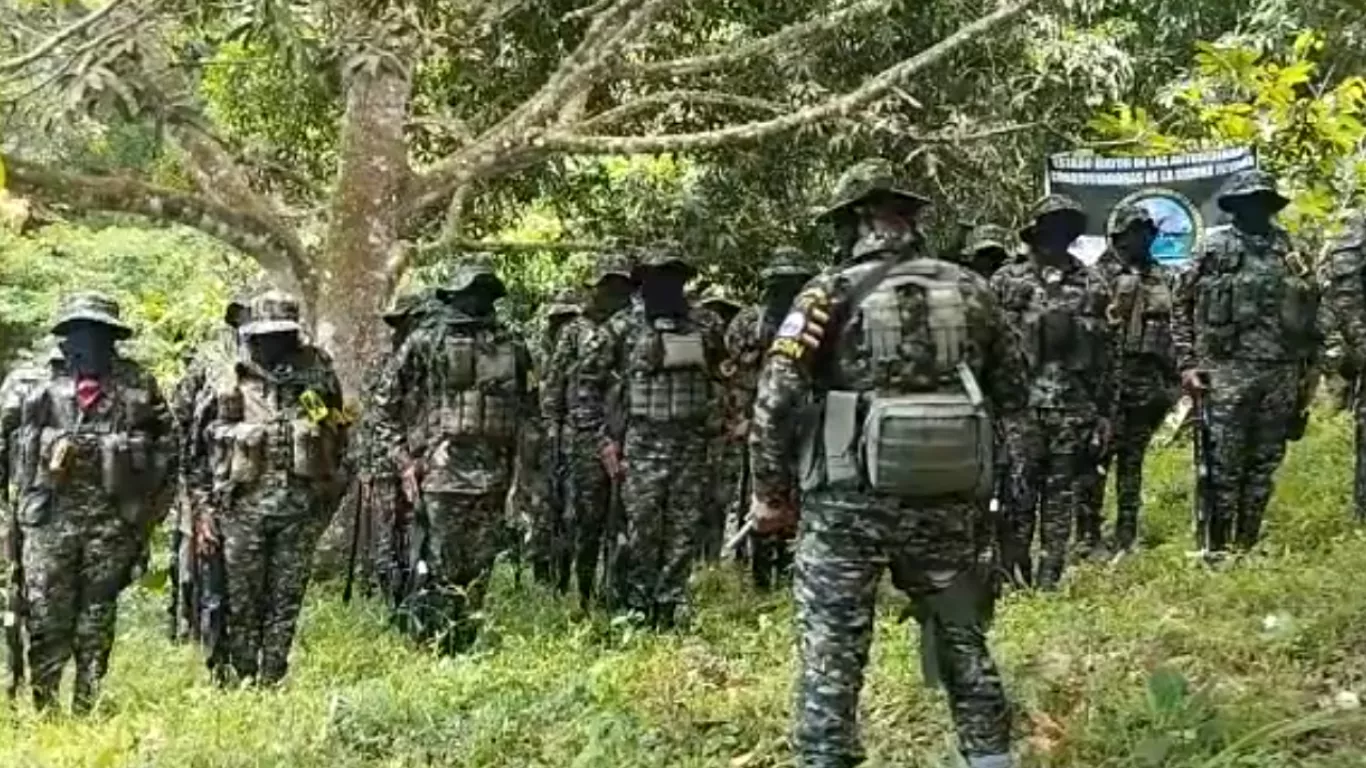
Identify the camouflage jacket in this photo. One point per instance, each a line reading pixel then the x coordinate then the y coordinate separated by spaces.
pixel 1344 300
pixel 1060 320
pixel 623 361
pixel 14 390
pixel 1246 297
pixel 566 398
pixel 747 339
pixel 794 373
pixel 210 362
pixel 456 402
pixel 1141 325
pixel 123 445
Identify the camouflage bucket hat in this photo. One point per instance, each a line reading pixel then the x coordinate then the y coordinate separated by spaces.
pixel 715 296
pixel 866 179
pixel 90 307
pixel 786 261
pixel 1251 183
pixel 1126 217
pixel 403 308
pixel 984 237
pixel 664 255
pixel 470 271
pixel 272 312
pixel 611 264
pixel 1060 206
pixel 563 304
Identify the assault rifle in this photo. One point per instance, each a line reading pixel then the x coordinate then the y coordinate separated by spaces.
pixel 1204 473
pixel 359 501
pixel 15 608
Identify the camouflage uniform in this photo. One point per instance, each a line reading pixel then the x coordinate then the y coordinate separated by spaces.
pixel 551 544
pixel 1059 316
pixel 389 514
pixel 924 331
pixel 1145 373
pixel 725 457
pixel 451 413
pixel 200 602
pixel 276 440
pixel 96 455
pixel 1344 311
pixel 670 364
pixel 747 340
pixel 1245 317
pixel 574 404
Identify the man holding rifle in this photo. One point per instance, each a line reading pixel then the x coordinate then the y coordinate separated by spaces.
pixel 1245 333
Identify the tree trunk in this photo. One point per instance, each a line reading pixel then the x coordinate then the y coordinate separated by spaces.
pixel 363 234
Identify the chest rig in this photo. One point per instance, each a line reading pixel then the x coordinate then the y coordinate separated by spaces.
pixel 668 378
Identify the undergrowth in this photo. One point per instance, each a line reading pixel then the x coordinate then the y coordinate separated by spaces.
pixel 1150 662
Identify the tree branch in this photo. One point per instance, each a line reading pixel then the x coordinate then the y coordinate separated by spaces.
pixel 683 95
pixel 243 231
pixel 59 37
pixel 838 107
pixel 763 46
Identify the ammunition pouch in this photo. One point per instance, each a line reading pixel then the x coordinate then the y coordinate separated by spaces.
pixel 125 466
pixel 669 395
pixel 245 452
pixel 313 449
pixel 473 414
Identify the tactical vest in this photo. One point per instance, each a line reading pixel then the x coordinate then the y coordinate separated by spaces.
pixel 668 378
pixel 1141 315
pixel 263 432
pixel 902 412
pixel 1250 304
pixel 61 446
pixel 473 391
pixel 1063 327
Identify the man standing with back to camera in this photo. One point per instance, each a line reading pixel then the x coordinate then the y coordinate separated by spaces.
pixel 907 360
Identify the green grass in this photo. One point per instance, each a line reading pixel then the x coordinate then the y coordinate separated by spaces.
pixel 1153 662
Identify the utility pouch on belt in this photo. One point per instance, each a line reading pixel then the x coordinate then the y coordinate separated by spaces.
pixel 247 459
pixel 930 444
pixel 116 465
pixel 60 451
pixel 308 461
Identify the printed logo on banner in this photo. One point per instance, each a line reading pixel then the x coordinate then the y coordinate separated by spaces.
pixel 1180 226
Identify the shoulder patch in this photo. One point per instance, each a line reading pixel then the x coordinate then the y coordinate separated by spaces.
pixel 792 326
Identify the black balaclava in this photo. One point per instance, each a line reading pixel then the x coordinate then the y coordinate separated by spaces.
pixel 611 295
pixel 779 293
pixel 271 350
pixel 662 291
pixel 1135 245
pixel 986 261
pixel 478 301
pixel 89 348
pixel 1053 236
pixel 1252 213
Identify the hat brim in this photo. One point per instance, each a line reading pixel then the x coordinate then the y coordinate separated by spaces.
pixel 769 274
pixel 562 310
pixel 685 267
pixel 263 327
pixel 986 245
pixel 1281 200
pixel 448 291
pixel 601 278
pixel 64 323
pixel 842 206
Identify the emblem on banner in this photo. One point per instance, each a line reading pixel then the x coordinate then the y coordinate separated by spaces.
pixel 1180 227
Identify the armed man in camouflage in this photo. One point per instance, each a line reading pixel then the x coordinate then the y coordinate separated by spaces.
pixel 987 249
pixel 669 353
pixel 725 456
pixel 577 402
pixel 98 456
pixel 1245 334
pixel 747 340
pixel 1343 311
pixel 453 408
pixel 1057 308
pixel 198 603
pixel 382 499
pixel 907 360
pixel 552 539
pixel 276 439
pixel 1145 363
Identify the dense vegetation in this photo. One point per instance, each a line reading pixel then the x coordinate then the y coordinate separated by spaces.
pixel 1154 662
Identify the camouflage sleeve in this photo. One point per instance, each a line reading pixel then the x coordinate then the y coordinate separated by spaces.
pixel 597 362
pixel 738 340
pixel 1007 374
pixel 714 344
pixel 555 376
pixel 784 385
pixel 1107 385
pixel 1344 300
pixel 160 428
pixel 10 411
pixel 1183 315
pixel 402 372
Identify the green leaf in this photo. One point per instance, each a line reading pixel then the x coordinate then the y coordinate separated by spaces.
pixel 1168 691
